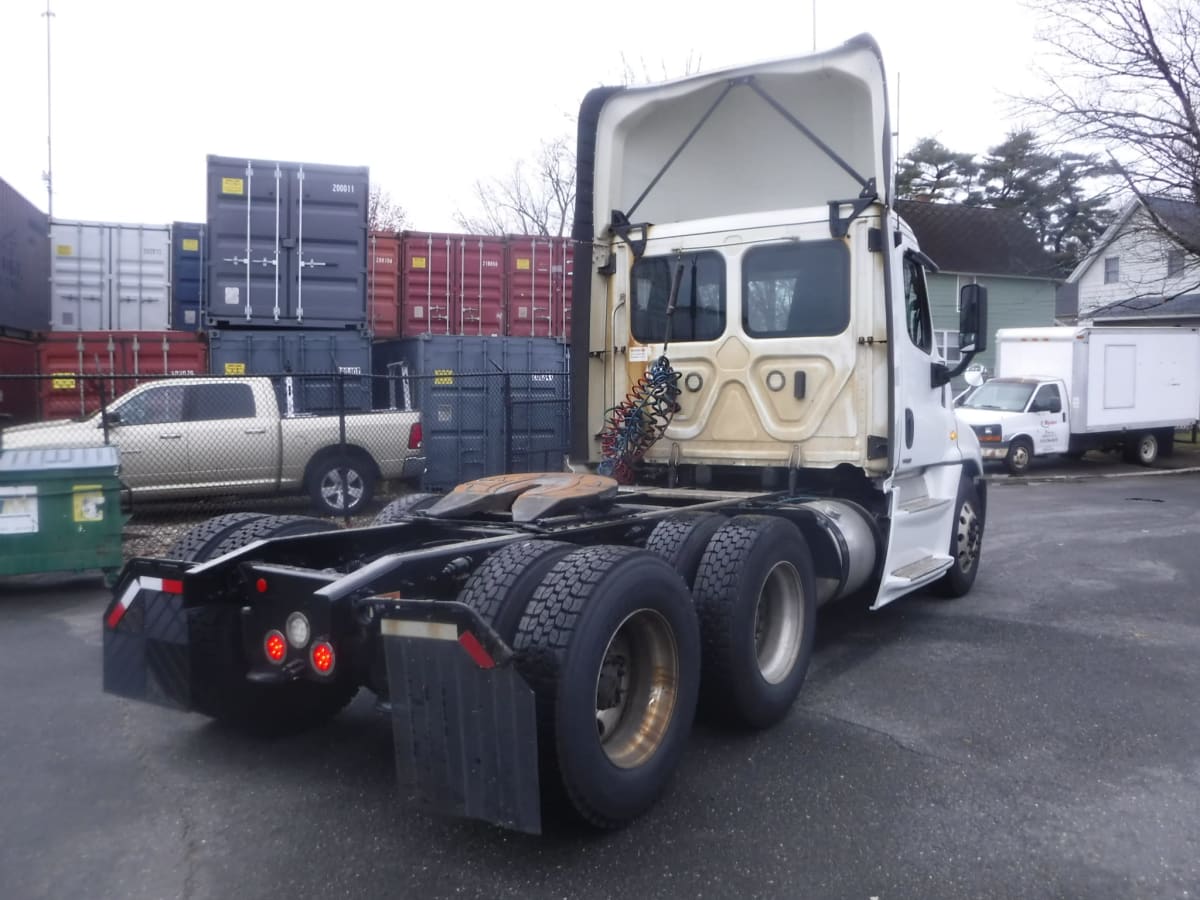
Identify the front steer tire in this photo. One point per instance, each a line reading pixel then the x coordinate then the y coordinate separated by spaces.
pixel 966 542
pixel 610 645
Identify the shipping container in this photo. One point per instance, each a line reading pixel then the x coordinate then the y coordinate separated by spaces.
pixel 488 405
pixel 110 276
pixel 287 244
pixel 18 395
pixel 538 274
pixel 427 285
pixel 63 358
pixel 24 265
pixel 383 284
pixel 315 359
pixel 187 274
pixel 480 285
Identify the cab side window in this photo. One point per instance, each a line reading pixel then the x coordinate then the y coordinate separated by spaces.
pixel 1047 400
pixel 916 305
pixel 154 406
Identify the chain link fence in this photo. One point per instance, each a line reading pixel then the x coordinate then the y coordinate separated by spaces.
pixel 342 444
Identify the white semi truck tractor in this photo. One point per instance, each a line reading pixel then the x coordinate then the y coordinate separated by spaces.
pixel 762 424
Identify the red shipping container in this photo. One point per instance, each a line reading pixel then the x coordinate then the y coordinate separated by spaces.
pixel 538 286
pixel 562 273
pixel 383 284
pixel 18 396
pixel 426 284
pixel 137 355
pixel 478 284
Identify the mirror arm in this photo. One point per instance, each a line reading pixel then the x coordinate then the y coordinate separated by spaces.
pixel 941 374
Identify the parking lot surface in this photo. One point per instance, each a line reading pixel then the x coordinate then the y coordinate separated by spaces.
pixel 1037 738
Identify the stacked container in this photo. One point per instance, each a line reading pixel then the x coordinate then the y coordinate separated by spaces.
pixel 24 301
pixel 287 276
pixel 488 405
pixel 187 274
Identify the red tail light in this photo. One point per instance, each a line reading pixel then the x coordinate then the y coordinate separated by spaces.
pixel 322 657
pixel 275 647
pixel 414 437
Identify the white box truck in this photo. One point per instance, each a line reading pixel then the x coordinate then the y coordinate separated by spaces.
pixel 1073 389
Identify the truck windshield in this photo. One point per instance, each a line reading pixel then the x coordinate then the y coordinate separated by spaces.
pixel 1010 396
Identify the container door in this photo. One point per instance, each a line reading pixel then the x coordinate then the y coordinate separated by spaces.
pixel 247 265
pixel 383 285
pixel 327 227
pixel 480 285
pixel 427 290
pixel 139 260
pixel 529 287
pixel 80 270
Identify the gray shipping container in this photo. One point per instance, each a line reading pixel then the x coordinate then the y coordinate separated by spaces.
pixel 110 276
pixel 314 359
pixel 287 244
pixel 24 264
pixel 489 405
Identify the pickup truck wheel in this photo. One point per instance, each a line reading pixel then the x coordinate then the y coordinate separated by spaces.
pixel 966 543
pixel 218 655
pixel 757 599
pixel 399 508
pixel 1143 450
pixel 499 590
pixel 1020 455
pixel 334 496
pixel 682 539
pixel 610 645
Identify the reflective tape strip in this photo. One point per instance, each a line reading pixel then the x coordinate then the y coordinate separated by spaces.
pixel 441 631
pixel 145 583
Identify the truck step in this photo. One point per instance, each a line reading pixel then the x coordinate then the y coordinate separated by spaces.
pixel 922 568
pixel 924 504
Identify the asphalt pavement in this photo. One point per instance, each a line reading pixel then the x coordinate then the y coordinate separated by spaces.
pixel 1037 738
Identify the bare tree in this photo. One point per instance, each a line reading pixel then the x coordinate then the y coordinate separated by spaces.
pixel 1123 76
pixel 536 197
pixel 384 213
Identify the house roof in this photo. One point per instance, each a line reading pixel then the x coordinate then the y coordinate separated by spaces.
pixel 976 239
pixel 1180 216
pixel 1145 308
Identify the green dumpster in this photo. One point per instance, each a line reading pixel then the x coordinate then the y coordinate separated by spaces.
pixel 60 510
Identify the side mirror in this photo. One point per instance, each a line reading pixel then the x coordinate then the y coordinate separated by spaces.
pixel 113 417
pixel 972 319
pixel 1054 406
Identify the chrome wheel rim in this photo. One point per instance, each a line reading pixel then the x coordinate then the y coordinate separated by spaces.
pixel 1146 449
pixel 967 537
pixel 1020 456
pixel 339 496
pixel 637 688
pixel 779 622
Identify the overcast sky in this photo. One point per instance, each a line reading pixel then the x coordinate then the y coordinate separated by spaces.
pixel 431 96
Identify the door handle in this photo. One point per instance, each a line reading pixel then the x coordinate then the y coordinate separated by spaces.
pixel 169 437
pixel 255 431
pixel 910 427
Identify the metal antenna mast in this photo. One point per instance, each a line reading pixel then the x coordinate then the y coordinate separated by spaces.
pixel 49 176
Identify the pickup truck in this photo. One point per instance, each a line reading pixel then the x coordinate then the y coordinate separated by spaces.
pixel 203 436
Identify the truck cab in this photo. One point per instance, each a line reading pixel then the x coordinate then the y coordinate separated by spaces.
pixel 1016 419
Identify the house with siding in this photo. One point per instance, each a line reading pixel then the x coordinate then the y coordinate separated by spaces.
pixel 990 247
pixel 1138 273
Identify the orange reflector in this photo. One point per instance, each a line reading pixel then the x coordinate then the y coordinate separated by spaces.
pixel 322 657
pixel 261 585
pixel 275 646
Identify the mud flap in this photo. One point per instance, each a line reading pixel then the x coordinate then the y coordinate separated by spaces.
pixel 463 719
pixel 146 636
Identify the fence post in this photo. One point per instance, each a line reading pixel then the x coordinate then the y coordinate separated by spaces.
pixel 103 409
pixel 344 472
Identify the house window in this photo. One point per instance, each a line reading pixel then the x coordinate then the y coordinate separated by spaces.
pixel 1112 269
pixel 1174 263
pixel 947 344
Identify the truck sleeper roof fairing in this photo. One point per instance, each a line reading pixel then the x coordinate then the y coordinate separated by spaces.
pixel 785 134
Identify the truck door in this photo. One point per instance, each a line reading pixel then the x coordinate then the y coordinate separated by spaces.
pixel 1051 430
pixel 925 477
pixel 229 441
pixel 149 432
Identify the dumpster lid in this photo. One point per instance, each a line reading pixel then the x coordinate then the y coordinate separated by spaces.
pixel 41 459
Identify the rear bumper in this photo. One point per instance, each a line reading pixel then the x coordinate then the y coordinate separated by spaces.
pixel 413 468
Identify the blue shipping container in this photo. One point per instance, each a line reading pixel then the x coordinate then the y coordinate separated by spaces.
pixel 489 405
pixel 187 275
pixel 306 365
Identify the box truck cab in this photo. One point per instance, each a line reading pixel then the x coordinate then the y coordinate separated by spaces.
pixel 1073 389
